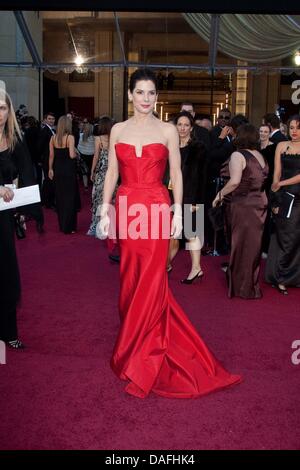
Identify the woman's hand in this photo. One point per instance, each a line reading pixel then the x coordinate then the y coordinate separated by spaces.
pixel 218 200
pixel 6 193
pixel 102 227
pixel 92 178
pixel 275 187
pixel 50 174
pixel 176 227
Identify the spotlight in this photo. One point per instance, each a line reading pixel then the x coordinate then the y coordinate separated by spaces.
pixel 79 60
pixel 297 57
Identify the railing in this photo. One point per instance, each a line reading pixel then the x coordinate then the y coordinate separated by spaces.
pixel 194 84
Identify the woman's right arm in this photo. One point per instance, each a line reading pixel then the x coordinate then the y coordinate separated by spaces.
pixel 51 158
pixel 96 157
pixel 281 147
pixel 237 164
pixel 112 173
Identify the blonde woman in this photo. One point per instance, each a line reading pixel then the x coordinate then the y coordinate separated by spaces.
pixel 62 169
pixel 15 162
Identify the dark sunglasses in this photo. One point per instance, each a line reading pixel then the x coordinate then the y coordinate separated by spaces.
pixel 224 117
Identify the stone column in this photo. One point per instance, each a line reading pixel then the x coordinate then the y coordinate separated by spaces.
pixel 117 81
pixel 265 93
pixel 103 79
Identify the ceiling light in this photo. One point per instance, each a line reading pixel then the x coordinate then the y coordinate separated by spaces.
pixel 297 57
pixel 79 60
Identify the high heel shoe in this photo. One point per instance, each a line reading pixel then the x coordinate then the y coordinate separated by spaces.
pixel 281 290
pixel 15 344
pixel 199 275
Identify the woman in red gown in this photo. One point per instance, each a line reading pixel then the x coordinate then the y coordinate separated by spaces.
pixel 157 348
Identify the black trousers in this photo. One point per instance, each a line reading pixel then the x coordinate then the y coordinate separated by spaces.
pixel 8 322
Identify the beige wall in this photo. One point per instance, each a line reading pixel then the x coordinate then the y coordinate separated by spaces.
pixel 263 96
pixel 58 50
pixel 108 87
pixel 21 83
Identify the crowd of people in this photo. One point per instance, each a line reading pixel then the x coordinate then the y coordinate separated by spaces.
pixel 250 175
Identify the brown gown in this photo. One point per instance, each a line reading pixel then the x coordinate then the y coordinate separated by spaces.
pixel 248 209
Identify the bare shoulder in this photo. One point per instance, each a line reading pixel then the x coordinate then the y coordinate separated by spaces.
pixel 169 130
pixel 117 129
pixel 236 155
pixel 282 146
pixel 70 138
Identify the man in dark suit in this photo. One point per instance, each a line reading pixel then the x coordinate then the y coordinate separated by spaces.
pixel 47 131
pixel 273 121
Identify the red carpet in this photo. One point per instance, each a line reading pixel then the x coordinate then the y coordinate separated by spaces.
pixel 60 392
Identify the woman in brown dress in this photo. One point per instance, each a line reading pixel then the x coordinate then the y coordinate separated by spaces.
pixel 248 207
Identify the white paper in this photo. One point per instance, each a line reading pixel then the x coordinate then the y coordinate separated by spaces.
pixel 22 197
pixel 291 206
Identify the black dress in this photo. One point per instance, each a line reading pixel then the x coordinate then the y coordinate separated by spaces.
pixel 66 189
pixel 193 167
pixel 12 165
pixel 283 263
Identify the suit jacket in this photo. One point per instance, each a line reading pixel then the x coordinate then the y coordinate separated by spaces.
pixel 220 151
pixel 43 144
pixel 277 137
pixel 269 155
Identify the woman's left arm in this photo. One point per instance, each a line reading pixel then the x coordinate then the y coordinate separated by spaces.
pixel 175 165
pixel 237 164
pixel 293 180
pixel 175 177
pixel 71 147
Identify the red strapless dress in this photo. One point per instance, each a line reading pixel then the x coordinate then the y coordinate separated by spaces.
pixel 157 348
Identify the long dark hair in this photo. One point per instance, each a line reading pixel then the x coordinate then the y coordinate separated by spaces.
pixel 184 114
pixel 142 74
pixel 295 117
pixel 103 126
pixel 194 142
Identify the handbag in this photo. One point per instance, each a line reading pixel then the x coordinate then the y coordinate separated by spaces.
pixel 284 201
